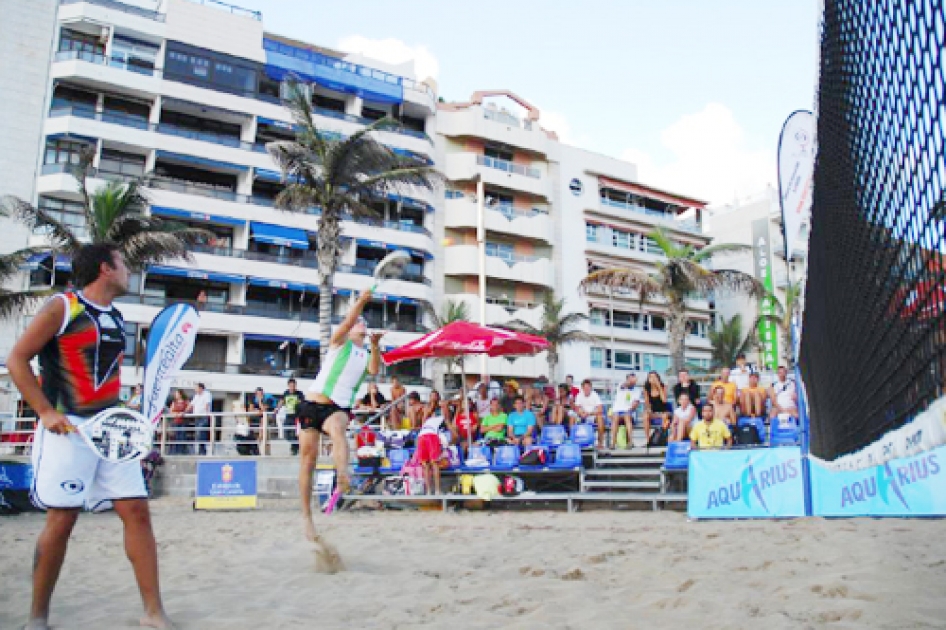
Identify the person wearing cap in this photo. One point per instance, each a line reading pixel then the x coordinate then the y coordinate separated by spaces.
pixel 508 400
pixel 326 410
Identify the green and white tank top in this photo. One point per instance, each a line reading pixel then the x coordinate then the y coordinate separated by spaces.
pixel 342 373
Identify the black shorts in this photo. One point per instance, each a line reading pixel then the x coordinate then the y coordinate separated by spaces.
pixel 312 415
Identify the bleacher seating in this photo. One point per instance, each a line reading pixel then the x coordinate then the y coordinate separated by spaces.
pixel 506 457
pixel 398 457
pixel 567 456
pixel 583 434
pixel 784 434
pixel 759 425
pixel 678 456
pixel 553 435
pixel 478 452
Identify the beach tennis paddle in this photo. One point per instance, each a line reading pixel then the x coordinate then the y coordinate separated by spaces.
pixel 332 501
pixel 391 267
pixel 118 434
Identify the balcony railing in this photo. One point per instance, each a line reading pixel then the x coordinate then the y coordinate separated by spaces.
pixel 120 6
pixel 117 118
pixel 507 166
pixel 690 224
pixel 506 118
pixel 231 8
pixel 194 188
pixel 204 136
pixel 512 259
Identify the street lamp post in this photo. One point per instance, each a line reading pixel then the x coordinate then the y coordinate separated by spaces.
pixel 481 255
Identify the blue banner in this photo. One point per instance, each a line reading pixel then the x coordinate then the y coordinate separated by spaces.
pixel 911 486
pixel 15 476
pixel 226 485
pixel 746 483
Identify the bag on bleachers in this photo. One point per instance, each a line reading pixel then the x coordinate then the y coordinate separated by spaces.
pixel 621 441
pixel 393 485
pixel 511 486
pixel 747 435
pixel 533 457
pixel 658 436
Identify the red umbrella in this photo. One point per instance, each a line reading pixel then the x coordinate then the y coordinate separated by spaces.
pixel 459 338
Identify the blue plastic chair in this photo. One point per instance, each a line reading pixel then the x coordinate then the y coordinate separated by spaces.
pixel 784 435
pixel 506 457
pixel 567 456
pixel 678 456
pixel 758 424
pixel 476 452
pixel 397 457
pixel 583 434
pixel 553 435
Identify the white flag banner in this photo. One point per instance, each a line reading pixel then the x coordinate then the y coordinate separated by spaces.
pixel 170 344
pixel 796 165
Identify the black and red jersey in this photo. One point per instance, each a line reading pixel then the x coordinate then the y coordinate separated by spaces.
pixel 80 367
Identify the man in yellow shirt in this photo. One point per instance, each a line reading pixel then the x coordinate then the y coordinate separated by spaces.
pixel 710 432
pixel 729 388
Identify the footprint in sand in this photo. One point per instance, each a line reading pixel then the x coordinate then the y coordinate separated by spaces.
pixel 574 574
pixel 683 588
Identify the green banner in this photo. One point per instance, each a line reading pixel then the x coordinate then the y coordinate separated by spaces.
pixel 762 255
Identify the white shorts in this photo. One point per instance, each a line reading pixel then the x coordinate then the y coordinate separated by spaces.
pixel 68 474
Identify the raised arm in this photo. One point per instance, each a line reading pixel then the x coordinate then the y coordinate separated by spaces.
pixel 341 333
pixel 374 363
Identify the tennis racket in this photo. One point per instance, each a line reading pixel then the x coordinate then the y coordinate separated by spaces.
pixel 391 267
pixel 118 435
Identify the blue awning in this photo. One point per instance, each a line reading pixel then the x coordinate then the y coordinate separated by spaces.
pixel 275 123
pixel 196 216
pixel 410 201
pixel 34 262
pixel 196 274
pixel 337 291
pixel 199 161
pixel 420 254
pixel 269 338
pixel 279 235
pixel 394 298
pixel 311 343
pixel 282 284
pixel 364 242
pixel 270 176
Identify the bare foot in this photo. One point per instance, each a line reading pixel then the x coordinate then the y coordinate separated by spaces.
pixel 309 527
pixel 159 620
pixel 344 483
pixel 327 558
pixel 36 624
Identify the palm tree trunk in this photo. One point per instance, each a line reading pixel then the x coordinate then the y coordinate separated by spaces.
pixel 325 314
pixel 676 334
pixel 552 358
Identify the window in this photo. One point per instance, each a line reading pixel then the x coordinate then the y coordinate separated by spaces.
pixel 454 194
pixel 657 322
pixel 498 154
pixel 121 163
pixel 700 363
pixel 500 250
pixel 624 240
pixel 69 213
pixel 698 328
pixel 624 360
pixel 597 357
pixel 127 108
pixel 599 317
pixel 650 246
pixel 131 345
pixel 87 45
pixel 64 151
pixel 373 114
pixel 203 125
pixel 65 96
pixel 414 124
pixel 326 102
pixel 623 319
pixel 222 72
pixel 659 363
pixel 591 232
pixel 133 54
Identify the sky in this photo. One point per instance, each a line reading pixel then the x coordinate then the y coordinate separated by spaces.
pixel 692 91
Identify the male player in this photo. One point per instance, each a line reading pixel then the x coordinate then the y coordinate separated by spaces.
pixel 79 338
pixel 330 398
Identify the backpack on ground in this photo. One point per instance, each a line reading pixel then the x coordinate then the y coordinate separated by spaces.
pixel 658 437
pixel 533 457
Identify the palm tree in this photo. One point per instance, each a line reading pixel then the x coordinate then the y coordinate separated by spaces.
pixel 729 341
pixel 556 328
pixel 682 274
pixel 453 311
pixel 341 177
pixel 114 213
pixel 12 302
pixel 784 311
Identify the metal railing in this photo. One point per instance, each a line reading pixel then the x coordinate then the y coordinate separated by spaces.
pixel 506 118
pixel 667 218
pixel 120 6
pixel 507 166
pixel 231 8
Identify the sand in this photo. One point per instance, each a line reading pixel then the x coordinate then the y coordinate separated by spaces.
pixel 597 569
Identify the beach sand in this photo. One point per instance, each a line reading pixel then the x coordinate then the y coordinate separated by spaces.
pixel 596 569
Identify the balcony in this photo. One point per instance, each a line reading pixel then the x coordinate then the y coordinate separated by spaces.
pixel 654 217
pixel 499 310
pixel 637 249
pixel 461 260
pixel 466 166
pixel 203 136
pixel 482 122
pixel 505 219
pixel 119 6
pixel 99 70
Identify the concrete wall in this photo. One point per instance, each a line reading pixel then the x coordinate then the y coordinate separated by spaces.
pixel 216 29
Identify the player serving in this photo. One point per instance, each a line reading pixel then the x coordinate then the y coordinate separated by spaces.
pixel 330 398
pixel 80 338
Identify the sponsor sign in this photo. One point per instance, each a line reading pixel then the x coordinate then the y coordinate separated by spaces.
pixel 746 483
pixel 226 485
pixel 909 486
pixel 762 261
pixel 796 167
pixel 170 343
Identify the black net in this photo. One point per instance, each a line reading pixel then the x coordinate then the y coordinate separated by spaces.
pixel 873 352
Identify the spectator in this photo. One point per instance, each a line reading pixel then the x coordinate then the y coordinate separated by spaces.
pixel 433 407
pixel 493 424
pixel 178 409
pixel 290 402
pixel 543 385
pixel 256 412
pixel 710 432
pixel 686 386
pixel 373 400
pixel 508 400
pixel 481 400
pixel 538 404
pixel 783 396
pixel 729 388
pixel 414 414
pixel 463 417
pixel 134 401
pixel 564 406
pixel 521 424
pixel 570 381
pixel 201 406
pixel 430 450
pixel 740 373
pixel 752 398
pixel 627 399
pixel 589 408
pixel 683 416
pixel 725 412
pixel 398 409
pixel 655 402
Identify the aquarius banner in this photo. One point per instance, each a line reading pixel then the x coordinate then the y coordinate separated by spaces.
pixel 746 483
pixel 170 343
pixel 226 485
pixel 909 486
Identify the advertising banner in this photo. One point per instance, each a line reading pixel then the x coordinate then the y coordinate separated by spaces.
pixel 909 486
pixel 15 482
pixel 762 261
pixel 796 166
pixel 746 483
pixel 170 343
pixel 226 485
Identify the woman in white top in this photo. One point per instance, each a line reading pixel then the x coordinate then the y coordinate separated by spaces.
pixel 683 416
